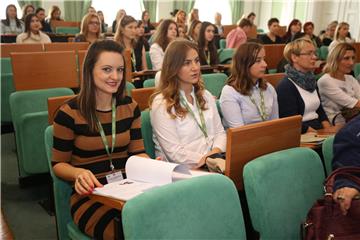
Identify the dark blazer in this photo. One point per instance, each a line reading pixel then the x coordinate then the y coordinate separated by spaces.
pixel 347 151
pixel 291 103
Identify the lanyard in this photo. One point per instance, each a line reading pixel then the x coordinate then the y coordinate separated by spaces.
pixel 201 125
pixel 133 59
pixel 207 54
pixel 113 133
pixel 261 109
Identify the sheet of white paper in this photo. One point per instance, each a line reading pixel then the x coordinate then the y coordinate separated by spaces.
pixel 149 170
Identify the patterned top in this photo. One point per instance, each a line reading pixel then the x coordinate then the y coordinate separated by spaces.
pixel 75 144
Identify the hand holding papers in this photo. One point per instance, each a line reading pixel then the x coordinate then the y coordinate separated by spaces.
pixel 144 174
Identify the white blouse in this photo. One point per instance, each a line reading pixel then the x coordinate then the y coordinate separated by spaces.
pixel 156 56
pixel 336 94
pixel 239 110
pixel 181 140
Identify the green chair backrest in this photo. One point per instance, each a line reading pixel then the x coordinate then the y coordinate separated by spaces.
pixel 209 209
pixel 324 50
pixel 62 192
pixel 129 87
pixel 225 55
pixel 260 30
pixel 214 82
pixel 280 189
pixel 357 70
pixel 30 118
pixel 149 83
pixel 67 30
pixel 6 67
pixel 147 133
pixel 148 61
pixel 7 87
pixel 328 153
pixel 222 43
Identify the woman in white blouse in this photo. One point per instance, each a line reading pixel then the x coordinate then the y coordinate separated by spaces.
pixel 166 32
pixel 338 89
pixel 32 32
pixel 247 98
pixel 186 124
pixel 340 35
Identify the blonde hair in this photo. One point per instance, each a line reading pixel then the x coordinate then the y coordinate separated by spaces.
pixel 295 47
pixel 335 56
pixel 169 80
pixel 340 25
pixel 85 24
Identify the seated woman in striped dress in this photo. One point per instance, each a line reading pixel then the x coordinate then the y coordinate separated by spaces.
pixel 94 134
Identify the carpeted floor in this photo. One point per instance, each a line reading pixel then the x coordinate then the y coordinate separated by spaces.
pixel 21 208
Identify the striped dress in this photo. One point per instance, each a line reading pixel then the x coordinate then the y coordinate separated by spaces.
pixel 76 145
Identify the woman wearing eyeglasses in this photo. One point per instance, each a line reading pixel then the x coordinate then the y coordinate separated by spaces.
pixel 90 29
pixel 297 92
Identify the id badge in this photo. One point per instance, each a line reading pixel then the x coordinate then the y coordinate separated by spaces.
pixel 114 177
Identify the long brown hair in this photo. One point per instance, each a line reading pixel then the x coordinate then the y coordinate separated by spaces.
pixel 119 35
pixel 214 59
pixel 240 78
pixel 160 36
pixel 335 56
pixel 86 99
pixel 169 80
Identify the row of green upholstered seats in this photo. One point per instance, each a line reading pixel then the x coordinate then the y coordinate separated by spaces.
pixel 143 217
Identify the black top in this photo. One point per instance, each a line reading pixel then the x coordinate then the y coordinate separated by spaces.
pixel 148 29
pixel 266 40
pixel 291 103
pixel 46 27
pixel 138 56
pixel 326 41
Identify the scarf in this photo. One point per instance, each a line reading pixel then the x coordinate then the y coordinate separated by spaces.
pixel 306 81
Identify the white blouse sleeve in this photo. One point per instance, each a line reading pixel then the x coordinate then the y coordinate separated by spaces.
pixel 165 130
pixel 333 92
pixel 156 56
pixel 275 106
pixel 230 107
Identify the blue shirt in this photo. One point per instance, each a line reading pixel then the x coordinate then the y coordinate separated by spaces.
pixel 239 110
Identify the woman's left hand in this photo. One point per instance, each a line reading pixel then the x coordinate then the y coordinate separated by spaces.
pixel 344 196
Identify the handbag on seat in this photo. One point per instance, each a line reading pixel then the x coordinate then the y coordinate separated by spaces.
pixel 325 220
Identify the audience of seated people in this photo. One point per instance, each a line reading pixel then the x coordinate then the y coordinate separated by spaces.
pixel 185 120
pixel 54 15
pixel 294 29
pixel 338 89
pixel 341 35
pixel 238 36
pixel 271 37
pixel 104 26
pixel 11 24
pixel 40 13
pixel 309 33
pixel 193 31
pixel 90 30
pixel 166 33
pixel 148 27
pixel 206 44
pixel 297 92
pixel 27 9
pixel 329 33
pixel 248 98
pixel 32 33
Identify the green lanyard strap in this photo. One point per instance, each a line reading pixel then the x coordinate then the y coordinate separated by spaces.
pixel 133 59
pixel 262 110
pixel 113 133
pixel 201 125
pixel 207 54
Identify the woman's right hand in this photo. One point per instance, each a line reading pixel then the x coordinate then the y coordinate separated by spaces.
pixel 85 182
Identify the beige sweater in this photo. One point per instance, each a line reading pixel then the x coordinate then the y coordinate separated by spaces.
pixel 34 38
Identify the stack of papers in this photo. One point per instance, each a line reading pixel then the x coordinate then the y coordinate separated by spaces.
pixel 311 138
pixel 144 174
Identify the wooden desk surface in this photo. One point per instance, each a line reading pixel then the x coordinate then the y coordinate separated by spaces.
pixel 323 133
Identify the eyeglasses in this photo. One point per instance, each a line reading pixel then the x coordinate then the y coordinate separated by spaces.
pixel 310 53
pixel 95 23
